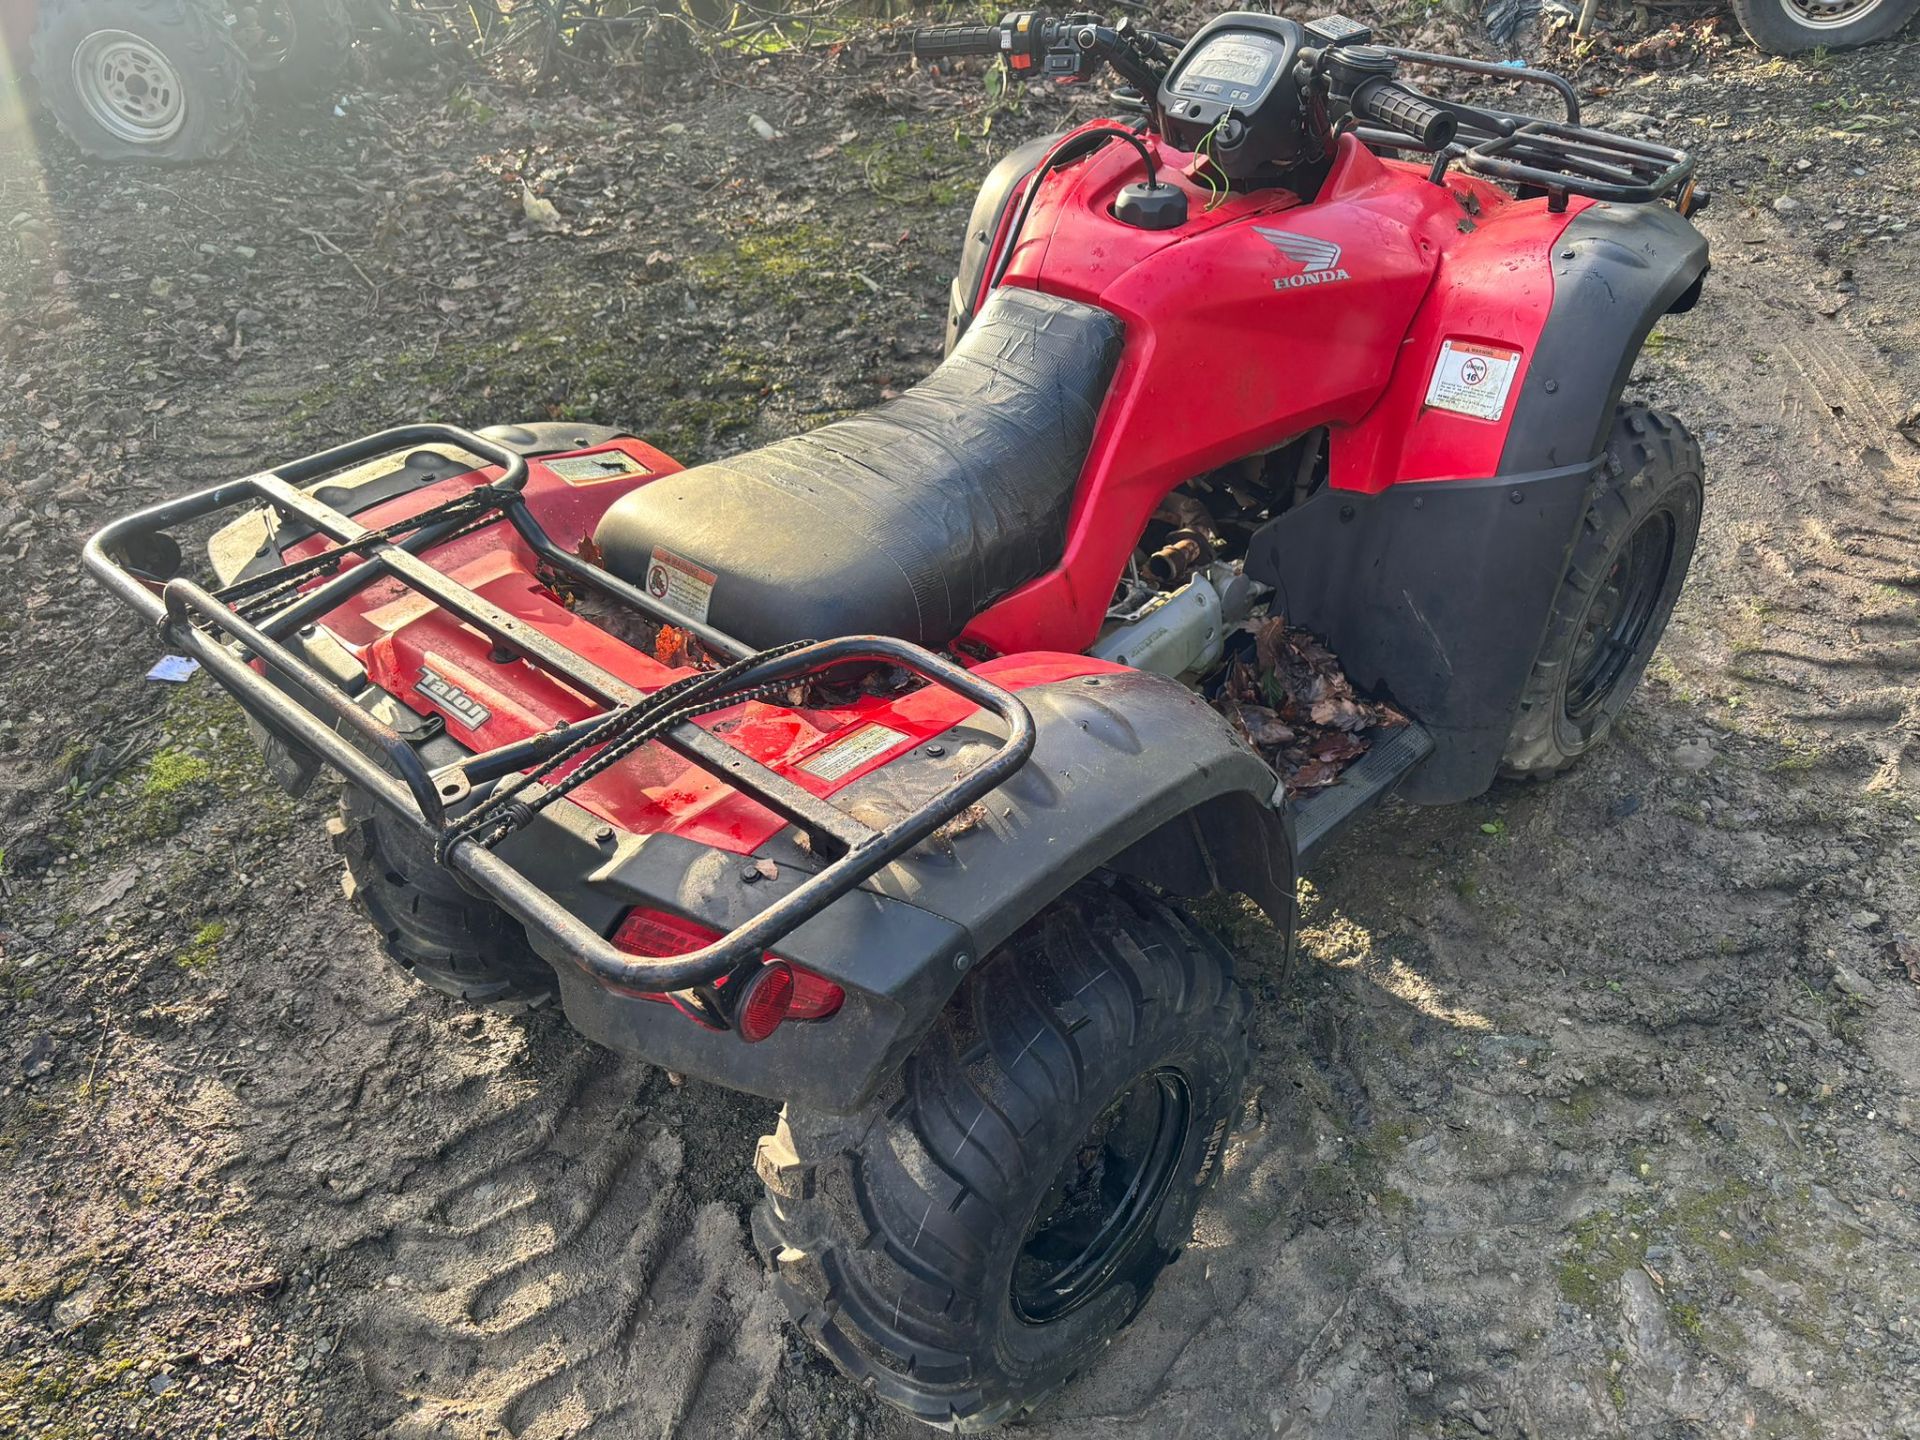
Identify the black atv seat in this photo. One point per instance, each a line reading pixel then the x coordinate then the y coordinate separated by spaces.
pixel 906 520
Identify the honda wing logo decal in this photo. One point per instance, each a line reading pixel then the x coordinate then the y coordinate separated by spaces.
pixel 1319 260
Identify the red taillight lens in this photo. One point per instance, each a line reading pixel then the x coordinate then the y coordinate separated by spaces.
pixel 768 1001
pixel 781 990
pixel 813 997
pixel 658 935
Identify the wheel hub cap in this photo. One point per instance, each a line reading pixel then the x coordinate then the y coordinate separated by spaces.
pixel 1830 14
pixel 129 87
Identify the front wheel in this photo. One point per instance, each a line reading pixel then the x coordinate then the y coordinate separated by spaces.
pixel 977 1233
pixel 1625 573
pixel 1788 27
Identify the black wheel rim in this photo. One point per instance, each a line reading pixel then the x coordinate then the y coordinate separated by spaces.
pixel 1619 615
pixel 1098 1213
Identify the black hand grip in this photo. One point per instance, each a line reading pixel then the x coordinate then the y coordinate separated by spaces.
pixel 1401 109
pixel 936 42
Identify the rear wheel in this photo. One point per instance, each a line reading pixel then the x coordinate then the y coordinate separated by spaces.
pixel 1787 27
pixel 978 1232
pixel 447 939
pixel 142 79
pixel 1622 580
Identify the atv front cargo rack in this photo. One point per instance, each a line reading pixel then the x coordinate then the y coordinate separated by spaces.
pixel 311 710
pixel 1557 158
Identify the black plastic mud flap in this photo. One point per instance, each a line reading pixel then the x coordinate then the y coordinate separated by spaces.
pixel 1435 595
pixel 1129 772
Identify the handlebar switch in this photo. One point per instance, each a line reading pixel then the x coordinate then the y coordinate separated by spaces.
pixel 1351 66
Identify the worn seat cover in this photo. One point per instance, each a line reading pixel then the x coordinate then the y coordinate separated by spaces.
pixel 905 520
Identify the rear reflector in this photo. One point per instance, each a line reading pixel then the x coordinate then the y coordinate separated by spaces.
pixel 768 1001
pixel 779 992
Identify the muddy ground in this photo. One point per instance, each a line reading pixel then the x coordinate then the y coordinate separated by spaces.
pixel 1591 1109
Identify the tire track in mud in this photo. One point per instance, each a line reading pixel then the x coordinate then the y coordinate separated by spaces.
pixel 529 1257
pixel 553 1275
pixel 1835 560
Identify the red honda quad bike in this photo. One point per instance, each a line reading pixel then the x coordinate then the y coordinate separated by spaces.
pixel 866 771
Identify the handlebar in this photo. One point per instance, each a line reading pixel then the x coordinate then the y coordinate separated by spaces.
pixel 1399 108
pixel 942 42
pixel 1067 51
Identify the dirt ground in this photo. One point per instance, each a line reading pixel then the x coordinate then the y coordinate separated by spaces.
pixel 1590 1111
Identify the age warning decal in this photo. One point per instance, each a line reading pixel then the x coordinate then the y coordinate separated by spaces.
pixel 843 757
pixel 1473 379
pixel 679 583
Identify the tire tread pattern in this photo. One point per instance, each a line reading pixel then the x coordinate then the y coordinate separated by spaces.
pixel 1648 454
pixel 880 1225
pixel 447 939
pixel 220 102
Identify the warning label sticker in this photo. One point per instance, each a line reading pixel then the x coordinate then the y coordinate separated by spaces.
pixel 843 757
pixel 1473 379
pixel 679 584
pixel 592 469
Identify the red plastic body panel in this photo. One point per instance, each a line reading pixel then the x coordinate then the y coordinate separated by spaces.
pixel 1233 348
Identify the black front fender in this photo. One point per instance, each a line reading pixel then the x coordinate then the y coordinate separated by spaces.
pixel 997 191
pixel 1616 270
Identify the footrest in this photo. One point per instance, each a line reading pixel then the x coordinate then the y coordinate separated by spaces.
pixel 1324 813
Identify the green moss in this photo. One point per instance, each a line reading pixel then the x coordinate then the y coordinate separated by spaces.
pixel 172 771
pixel 61 1394
pixel 919 164
pixel 174 784
pixel 204 949
pixel 1583 1104
pixel 206 754
pixel 1662 669
pixel 1604 1246
pixel 778 266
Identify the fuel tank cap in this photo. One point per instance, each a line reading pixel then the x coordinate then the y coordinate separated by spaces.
pixel 1151 207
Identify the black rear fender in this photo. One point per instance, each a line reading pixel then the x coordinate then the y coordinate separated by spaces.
pixel 1130 772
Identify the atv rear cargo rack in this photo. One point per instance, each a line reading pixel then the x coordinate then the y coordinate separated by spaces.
pixel 1558 158
pixel 316 713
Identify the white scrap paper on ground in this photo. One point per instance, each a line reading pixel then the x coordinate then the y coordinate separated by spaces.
pixel 174 669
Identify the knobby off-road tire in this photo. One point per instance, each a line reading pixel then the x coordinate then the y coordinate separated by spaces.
pixel 1788 27
pixel 446 938
pixel 306 54
pixel 142 79
pixel 902 1238
pixel 1623 577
